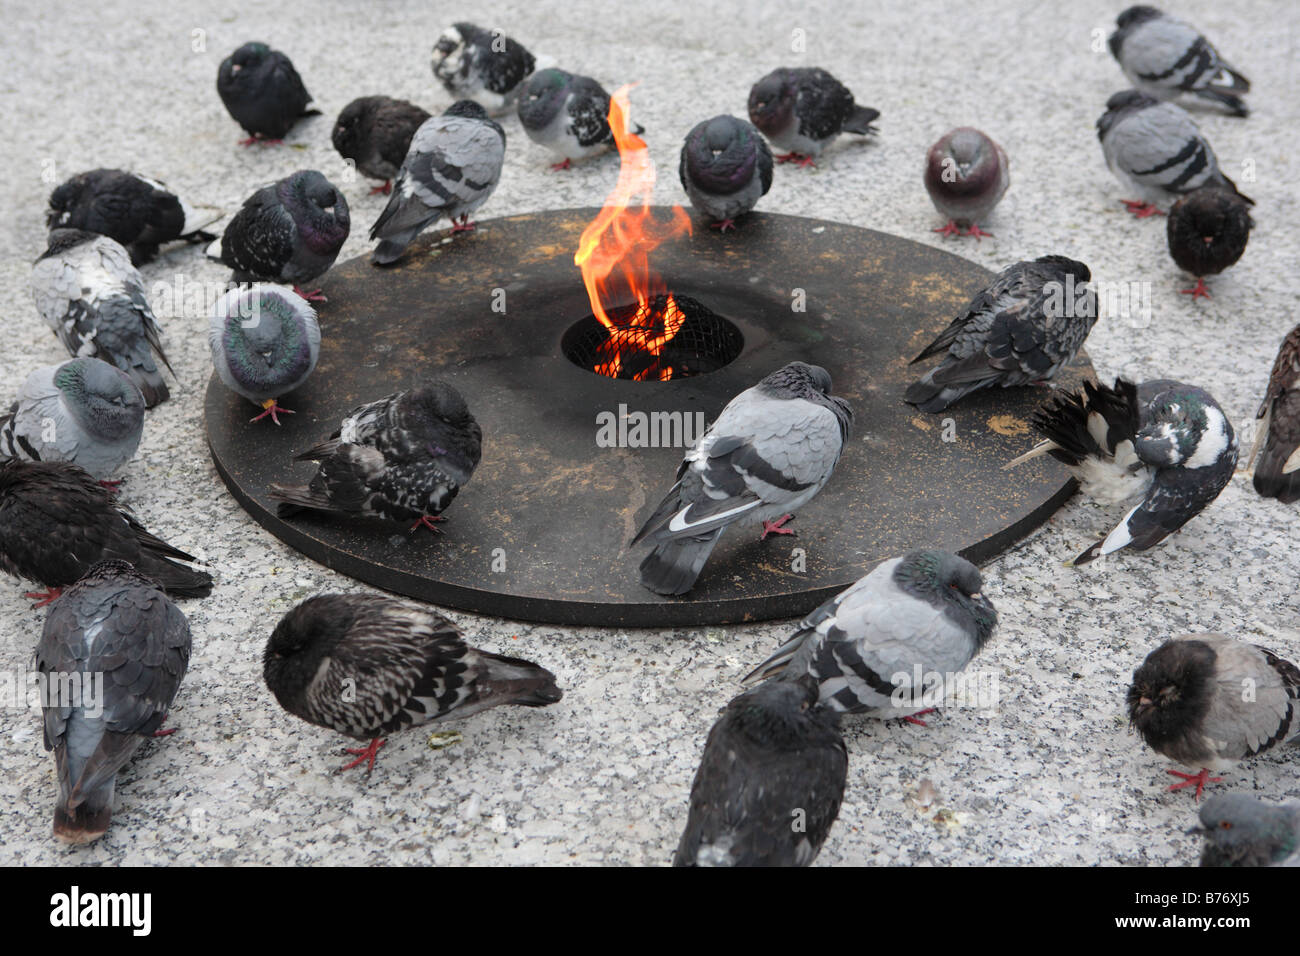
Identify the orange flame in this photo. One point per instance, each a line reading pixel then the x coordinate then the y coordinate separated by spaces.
pixel 614 252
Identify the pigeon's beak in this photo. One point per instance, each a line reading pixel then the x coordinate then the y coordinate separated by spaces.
pixel 235 68
pixel 1197 829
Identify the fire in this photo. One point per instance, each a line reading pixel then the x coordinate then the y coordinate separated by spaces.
pixel 614 256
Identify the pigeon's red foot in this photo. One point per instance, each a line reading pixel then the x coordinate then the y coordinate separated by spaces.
pixel 464 225
pixel 364 754
pixel 1197 291
pixel 915 718
pixel 952 229
pixel 428 522
pixel 978 233
pixel 385 189
pixel 313 296
pixel 114 485
pixel 273 410
pixel 257 139
pixel 164 733
pixel 1141 208
pixel 799 159
pixel 568 163
pixel 776 527
pixel 724 225
pixel 1200 779
pixel 48 596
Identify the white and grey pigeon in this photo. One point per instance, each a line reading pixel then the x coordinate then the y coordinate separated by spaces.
pixel 889 645
pixel 802 110
pixel 1156 150
pixel 725 168
pixel 1164 441
pixel 770 783
pixel 115 626
pixel 265 341
pixel 452 167
pixel 1242 831
pixel 1022 329
pixel 772 448
pixel 1210 701
pixel 93 298
pixel 1167 58
pixel 84 411
pixel 485 66
pixel 568 114
pixel 966 175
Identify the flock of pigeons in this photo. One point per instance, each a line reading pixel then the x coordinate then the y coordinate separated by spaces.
pixel 368 665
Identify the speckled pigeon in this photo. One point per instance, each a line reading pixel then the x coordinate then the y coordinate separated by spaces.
pixel 568 114
pixel 113 652
pixel 375 133
pixel 725 168
pixel 1209 701
pixel 93 298
pixel 889 645
pixel 1026 326
pixel 402 458
pixel 485 66
pixel 966 175
pixel 1207 231
pixel 770 451
pixel 1278 473
pixel 803 110
pixel 264 341
pixel 1242 831
pixel 771 781
pixel 289 232
pixel 262 92
pixel 367 666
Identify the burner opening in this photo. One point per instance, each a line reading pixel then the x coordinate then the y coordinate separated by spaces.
pixel 677 338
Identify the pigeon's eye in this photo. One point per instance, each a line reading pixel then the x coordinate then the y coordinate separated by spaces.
pixel 1225 825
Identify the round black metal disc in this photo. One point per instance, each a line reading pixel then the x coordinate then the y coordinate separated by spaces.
pixel 541 531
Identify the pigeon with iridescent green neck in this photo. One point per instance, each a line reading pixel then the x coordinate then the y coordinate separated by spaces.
pixel 568 114
pixel 1242 831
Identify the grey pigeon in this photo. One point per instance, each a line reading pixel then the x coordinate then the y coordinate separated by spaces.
pixel 889 645
pixel 265 341
pixel 368 665
pixel 485 66
pixel 1242 831
pixel 262 92
pixel 375 133
pixel 453 166
pixel 93 298
pixel 1167 58
pixel 114 651
pixel 1209 701
pixel 84 411
pixel 402 458
pixel 770 783
pixel 140 213
pixel 1164 441
pixel 1278 473
pixel 1026 326
pixel 568 114
pixel 770 451
pixel 1207 231
pixel 966 175
pixel 725 168
pixel 1156 150
pixel 289 232
pixel 803 110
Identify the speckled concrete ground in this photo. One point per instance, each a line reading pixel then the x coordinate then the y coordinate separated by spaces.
pixel 1050 776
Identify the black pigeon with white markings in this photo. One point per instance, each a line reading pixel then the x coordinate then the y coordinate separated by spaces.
pixel 725 168
pixel 770 783
pixel 116 626
pixel 803 110
pixel 262 92
pixel 485 66
pixel 1207 232
pixel 1242 831
pixel 770 451
pixel 1167 58
pixel 367 666
pixel 966 174
pixel 1210 701
pixel 141 214
pixel 1025 327
pixel 1277 475
pixel 452 167
pixel 402 458
pixel 568 114
pixel 375 133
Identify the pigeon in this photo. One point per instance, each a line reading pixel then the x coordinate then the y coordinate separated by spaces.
pixel 113 653
pixel 83 411
pixel 1242 831
pixel 770 783
pixel 402 458
pixel 375 133
pixel 1166 58
pixel 368 665
pixel 290 231
pixel 1208 230
pixel 265 342
pixel 726 166
pixel 1278 473
pixel 485 66
pixel 802 110
pixel 56 521
pixel 1208 701
pixel 770 451
pixel 1022 329
pixel 263 93
pixel 452 167
pixel 568 114
pixel 93 298
pixel 966 175
pixel 1156 150
pixel 890 645
pixel 139 213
